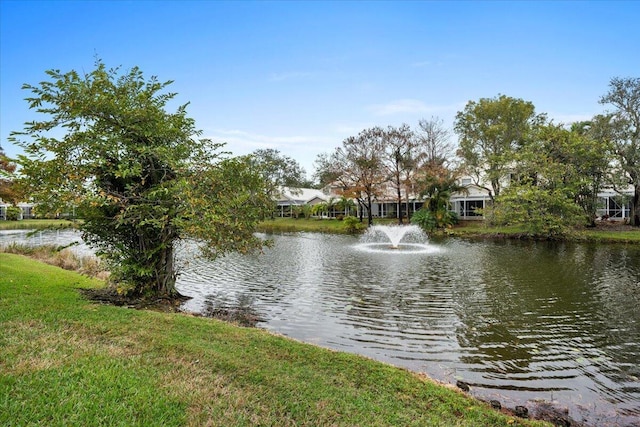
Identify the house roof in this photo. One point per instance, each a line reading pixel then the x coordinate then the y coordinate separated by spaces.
pixel 299 196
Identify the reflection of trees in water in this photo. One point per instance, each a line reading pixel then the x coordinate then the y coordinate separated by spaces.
pixel 240 311
pixel 531 294
pixel 616 284
pixel 396 301
pixel 552 311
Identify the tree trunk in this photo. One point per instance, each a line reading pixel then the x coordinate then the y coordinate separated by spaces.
pixel 634 214
pixel 165 274
pixel 369 210
pixel 399 204
pixel 407 210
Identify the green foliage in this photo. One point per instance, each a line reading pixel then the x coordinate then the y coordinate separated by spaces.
pixel 13 213
pixel 554 183
pixel 277 169
pixel 319 209
pixel 296 211
pixel 345 205
pixel 622 128
pixel 431 220
pixel 306 211
pixel 544 213
pixel 352 225
pixel 425 219
pixel 9 191
pixel 436 187
pixel 491 131
pixel 137 174
pixel 572 159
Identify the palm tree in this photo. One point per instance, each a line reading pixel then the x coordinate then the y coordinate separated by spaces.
pixel 437 191
pixel 319 209
pixel 331 205
pixel 345 204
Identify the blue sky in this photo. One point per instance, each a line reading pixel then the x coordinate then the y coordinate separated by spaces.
pixel 300 77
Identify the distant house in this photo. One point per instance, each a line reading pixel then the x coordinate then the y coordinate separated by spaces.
pixel 26 210
pixel 288 198
pixel 466 203
pixel 385 204
pixel 612 205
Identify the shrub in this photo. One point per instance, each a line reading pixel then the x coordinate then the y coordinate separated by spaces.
pixel 352 225
pixel 429 221
pixel 424 219
pixel 13 213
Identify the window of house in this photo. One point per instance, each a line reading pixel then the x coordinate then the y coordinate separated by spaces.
pixel 469 208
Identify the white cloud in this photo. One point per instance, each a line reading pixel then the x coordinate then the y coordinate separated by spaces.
pixel 347 129
pixel 408 106
pixel 570 118
pixel 249 139
pixel 303 148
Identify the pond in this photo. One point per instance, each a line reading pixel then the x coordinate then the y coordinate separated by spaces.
pixel 517 321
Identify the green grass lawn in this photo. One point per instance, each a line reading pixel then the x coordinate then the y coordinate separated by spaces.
pixel 604 233
pixel 66 361
pixel 314 225
pixel 471 229
pixel 35 224
pixel 290 225
pixel 285 225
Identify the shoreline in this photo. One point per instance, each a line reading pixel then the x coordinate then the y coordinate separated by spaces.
pixel 270 378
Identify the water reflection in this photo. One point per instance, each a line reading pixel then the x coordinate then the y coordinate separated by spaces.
pixel 241 311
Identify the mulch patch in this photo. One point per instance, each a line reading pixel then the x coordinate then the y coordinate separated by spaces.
pixel 243 316
pixel 112 297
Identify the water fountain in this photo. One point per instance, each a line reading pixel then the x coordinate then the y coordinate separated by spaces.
pixel 399 238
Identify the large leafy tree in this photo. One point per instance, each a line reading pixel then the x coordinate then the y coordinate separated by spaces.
pixel 556 179
pixel 357 168
pixel 8 189
pixel 138 174
pixel 434 142
pixel 278 169
pixel 590 158
pixel 361 160
pixel 398 159
pixel 622 128
pixel 491 132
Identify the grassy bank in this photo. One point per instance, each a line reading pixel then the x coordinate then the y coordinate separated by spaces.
pixel 35 224
pixel 611 233
pixel 312 225
pixel 603 233
pixel 606 233
pixel 66 361
pixel 286 225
